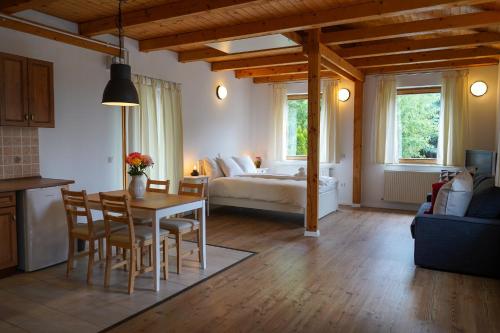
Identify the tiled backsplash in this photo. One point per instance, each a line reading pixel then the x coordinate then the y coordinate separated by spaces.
pixel 19 156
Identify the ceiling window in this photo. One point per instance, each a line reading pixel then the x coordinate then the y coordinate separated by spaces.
pixel 418 112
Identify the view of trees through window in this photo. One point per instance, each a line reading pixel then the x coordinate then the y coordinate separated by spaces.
pixel 419 124
pixel 297 127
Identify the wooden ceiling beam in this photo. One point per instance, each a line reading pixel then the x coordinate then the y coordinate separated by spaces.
pixel 209 54
pixel 162 12
pixel 14 6
pixel 407 29
pixel 40 30
pixel 352 72
pixel 287 59
pixel 333 16
pixel 271 71
pixel 292 77
pixel 429 44
pixel 422 57
pixel 430 66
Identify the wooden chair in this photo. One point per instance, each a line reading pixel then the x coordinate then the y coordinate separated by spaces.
pixel 116 209
pixel 181 226
pixel 151 182
pixel 75 205
pixel 163 187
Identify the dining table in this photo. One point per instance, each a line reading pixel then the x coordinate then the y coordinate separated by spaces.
pixel 156 206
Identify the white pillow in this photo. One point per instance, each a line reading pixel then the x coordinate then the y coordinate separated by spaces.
pixel 229 167
pixel 454 197
pixel 246 164
pixel 211 168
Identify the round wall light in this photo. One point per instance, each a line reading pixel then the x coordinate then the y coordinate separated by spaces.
pixel 221 92
pixel 478 88
pixel 344 94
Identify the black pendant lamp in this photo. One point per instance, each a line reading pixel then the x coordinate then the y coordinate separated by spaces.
pixel 120 91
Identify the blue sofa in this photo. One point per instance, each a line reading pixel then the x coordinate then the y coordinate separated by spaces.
pixel 469 245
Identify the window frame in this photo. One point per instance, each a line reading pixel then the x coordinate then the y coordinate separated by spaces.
pixel 416 91
pixel 295 97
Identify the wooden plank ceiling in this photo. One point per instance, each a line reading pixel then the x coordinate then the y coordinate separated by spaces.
pixel 358 37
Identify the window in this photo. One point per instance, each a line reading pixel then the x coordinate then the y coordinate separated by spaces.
pixel 418 112
pixel 296 127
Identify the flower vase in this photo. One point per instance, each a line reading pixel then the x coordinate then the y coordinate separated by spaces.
pixel 137 187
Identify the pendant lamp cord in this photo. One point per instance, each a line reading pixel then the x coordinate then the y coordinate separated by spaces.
pixel 120 29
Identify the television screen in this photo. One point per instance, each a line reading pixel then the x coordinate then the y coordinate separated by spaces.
pixel 482 161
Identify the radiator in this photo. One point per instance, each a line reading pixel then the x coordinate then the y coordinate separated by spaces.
pixel 408 186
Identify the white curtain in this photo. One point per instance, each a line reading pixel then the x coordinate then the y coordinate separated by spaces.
pixel 386 122
pixel 330 123
pixel 155 128
pixel 279 114
pixel 454 118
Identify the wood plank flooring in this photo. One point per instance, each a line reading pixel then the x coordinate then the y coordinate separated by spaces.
pixel 358 276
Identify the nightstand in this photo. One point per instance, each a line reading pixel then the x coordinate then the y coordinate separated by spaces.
pixel 262 170
pixel 200 180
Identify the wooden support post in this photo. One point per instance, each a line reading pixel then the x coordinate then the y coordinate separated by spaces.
pixel 313 111
pixel 358 143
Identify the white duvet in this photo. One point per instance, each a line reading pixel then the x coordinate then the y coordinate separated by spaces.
pixel 282 189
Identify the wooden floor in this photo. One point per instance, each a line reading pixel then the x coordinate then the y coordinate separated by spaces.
pixel 357 277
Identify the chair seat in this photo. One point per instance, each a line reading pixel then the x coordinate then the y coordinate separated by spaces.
pixel 99 228
pixel 175 225
pixel 142 220
pixel 142 233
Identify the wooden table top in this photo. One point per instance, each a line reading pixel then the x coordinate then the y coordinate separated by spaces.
pixel 151 201
pixel 20 184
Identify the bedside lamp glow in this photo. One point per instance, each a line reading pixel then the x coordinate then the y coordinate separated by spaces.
pixel 221 92
pixel 478 88
pixel 344 94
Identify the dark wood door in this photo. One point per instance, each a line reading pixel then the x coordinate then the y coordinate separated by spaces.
pixel 41 93
pixel 13 90
pixel 8 238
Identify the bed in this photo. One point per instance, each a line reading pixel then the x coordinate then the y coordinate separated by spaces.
pixel 283 193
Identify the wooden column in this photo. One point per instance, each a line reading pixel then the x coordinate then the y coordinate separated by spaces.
pixel 314 87
pixel 358 141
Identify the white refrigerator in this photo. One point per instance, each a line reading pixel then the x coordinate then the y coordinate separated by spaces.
pixel 43 235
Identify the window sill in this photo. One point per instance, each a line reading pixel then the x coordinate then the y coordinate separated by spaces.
pixel 419 167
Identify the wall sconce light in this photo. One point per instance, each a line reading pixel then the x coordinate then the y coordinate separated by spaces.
pixel 478 88
pixel 344 94
pixel 221 92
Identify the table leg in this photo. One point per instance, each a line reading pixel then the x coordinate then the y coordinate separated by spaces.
pixel 203 227
pixel 156 251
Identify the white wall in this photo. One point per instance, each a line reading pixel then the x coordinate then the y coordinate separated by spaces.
pixel 482 127
pixel 86 143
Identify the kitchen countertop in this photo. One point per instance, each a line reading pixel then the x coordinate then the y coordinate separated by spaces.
pixel 19 184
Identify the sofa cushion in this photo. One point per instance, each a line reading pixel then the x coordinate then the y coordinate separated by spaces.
pixel 454 197
pixel 435 190
pixel 486 204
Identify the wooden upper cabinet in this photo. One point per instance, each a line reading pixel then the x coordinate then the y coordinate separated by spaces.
pixel 14 90
pixel 41 93
pixel 26 92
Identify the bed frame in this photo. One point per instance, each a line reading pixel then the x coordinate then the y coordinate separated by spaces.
pixel 328 203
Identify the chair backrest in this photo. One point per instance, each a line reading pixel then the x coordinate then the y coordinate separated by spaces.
pixel 194 190
pixel 164 183
pixel 76 204
pixel 116 208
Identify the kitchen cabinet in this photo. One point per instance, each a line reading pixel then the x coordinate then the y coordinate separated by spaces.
pixel 8 231
pixel 26 92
